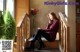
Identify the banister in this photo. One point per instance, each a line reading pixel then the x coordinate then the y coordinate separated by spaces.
pixel 64 33
pixel 21 20
pixel 63 18
pixel 22 32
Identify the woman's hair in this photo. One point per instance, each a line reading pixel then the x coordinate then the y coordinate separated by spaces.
pixel 54 15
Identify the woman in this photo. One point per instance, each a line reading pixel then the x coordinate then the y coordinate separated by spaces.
pixel 49 33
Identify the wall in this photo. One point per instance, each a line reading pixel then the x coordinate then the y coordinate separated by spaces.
pixel 21 7
pixel 72 23
pixel 41 20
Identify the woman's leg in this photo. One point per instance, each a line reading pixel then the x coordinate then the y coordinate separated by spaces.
pixel 35 37
pixel 41 33
pixel 38 36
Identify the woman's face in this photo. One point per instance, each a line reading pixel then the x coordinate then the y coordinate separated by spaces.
pixel 50 17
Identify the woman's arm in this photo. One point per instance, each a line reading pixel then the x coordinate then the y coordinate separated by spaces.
pixel 52 26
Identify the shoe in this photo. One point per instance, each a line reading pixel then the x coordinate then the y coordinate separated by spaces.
pixel 29 48
pixel 41 45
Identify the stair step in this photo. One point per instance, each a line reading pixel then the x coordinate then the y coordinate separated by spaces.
pixel 47 43
pixel 45 50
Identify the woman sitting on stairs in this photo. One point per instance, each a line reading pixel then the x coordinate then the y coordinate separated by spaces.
pixel 49 33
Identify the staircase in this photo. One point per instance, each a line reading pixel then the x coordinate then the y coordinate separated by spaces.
pixel 61 43
pixel 49 45
pixel 45 50
pixel 23 34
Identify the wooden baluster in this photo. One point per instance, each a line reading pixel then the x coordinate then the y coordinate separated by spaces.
pixel 67 39
pixel 22 36
pixel 18 39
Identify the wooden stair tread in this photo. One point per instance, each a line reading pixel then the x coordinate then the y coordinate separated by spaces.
pixel 57 39
pixel 48 44
pixel 45 50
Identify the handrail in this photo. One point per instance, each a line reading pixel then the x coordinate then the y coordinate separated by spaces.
pixel 21 20
pixel 63 18
pixel 22 32
pixel 64 33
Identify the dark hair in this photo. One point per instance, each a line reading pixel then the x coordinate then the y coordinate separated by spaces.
pixel 54 15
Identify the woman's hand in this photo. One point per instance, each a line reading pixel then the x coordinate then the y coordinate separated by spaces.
pixel 38 28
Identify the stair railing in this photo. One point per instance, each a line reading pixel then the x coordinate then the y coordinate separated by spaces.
pixel 64 33
pixel 22 32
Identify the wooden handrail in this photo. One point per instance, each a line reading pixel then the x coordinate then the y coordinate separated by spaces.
pixel 22 32
pixel 63 18
pixel 21 20
pixel 64 33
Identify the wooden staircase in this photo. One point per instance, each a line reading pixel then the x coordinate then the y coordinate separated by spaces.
pixel 23 35
pixel 49 45
pixel 22 32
